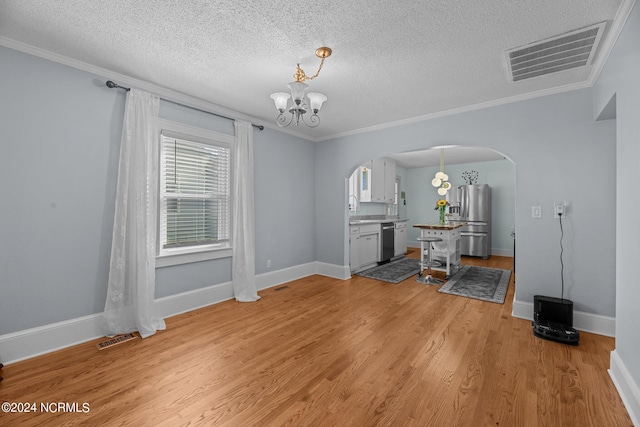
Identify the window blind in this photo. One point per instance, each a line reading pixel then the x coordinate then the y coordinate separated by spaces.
pixel 195 205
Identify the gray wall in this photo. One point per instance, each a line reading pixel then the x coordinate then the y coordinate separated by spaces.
pixel 60 131
pixel 621 77
pixel 560 152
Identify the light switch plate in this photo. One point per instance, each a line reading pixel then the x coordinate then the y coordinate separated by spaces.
pixel 536 212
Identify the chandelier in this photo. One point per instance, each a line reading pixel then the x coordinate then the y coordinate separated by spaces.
pixel 441 180
pixel 302 101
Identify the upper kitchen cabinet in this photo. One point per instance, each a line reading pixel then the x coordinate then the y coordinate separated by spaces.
pixel 383 180
pixel 373 182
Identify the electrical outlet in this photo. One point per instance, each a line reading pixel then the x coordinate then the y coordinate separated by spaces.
pixel 268 263
pixel 536 212
pixel 558 209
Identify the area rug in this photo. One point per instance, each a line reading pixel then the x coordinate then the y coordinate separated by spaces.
pixel 394 271
pixel 483 283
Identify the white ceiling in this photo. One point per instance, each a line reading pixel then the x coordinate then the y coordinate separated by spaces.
pixel 392 61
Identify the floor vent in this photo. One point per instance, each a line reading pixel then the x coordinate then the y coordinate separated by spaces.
pixel 116 340
pixel 281 288
pixel 567 51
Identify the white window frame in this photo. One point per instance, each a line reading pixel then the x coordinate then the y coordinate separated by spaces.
pixel 183 255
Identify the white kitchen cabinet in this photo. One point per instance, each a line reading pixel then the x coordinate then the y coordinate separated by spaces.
pixel 389 181
pixel 364 246
pixel 377 180
pixel 370 248
pixel 383 180
pixel 354 247
pixel 400 238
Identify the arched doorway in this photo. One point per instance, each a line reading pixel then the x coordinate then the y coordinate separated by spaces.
pixel 416 196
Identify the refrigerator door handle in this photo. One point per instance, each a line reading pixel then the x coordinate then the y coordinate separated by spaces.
pixel 466 201
pixel 473 234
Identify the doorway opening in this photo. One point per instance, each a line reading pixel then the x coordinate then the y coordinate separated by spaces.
pixel 414 196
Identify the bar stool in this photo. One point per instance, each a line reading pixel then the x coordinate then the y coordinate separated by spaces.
pixel 428 279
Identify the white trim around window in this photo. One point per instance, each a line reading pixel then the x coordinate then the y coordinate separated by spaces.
pixel 182 255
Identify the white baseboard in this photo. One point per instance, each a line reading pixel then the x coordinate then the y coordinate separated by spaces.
pixel 29 343
pixel 588 322
pixel 502 252
pixel 33 342
pixel 627 388
pixel 341 272
pixel 184 302
pixel 274 278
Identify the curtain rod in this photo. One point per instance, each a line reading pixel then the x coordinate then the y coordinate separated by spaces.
pixel 113 85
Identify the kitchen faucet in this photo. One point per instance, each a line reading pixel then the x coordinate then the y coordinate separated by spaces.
pixel 355 206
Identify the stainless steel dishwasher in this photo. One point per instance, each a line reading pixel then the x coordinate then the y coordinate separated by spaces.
pixel 388 231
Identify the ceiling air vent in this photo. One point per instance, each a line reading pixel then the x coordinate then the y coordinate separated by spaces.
pixel 571 50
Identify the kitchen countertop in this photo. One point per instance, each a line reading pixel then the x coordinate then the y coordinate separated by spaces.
pixel 375 221
pixel 438 226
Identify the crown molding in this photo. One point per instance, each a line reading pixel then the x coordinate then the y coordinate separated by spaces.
pixel 614 32
pixel 128 81
pixel 624 10
pixel 465 109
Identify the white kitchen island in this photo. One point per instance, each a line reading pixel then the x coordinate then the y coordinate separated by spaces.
pixel 447 250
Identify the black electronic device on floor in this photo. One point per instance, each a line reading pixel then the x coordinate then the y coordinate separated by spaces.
pixel 556 310
pixel 553 317
pixel 553 320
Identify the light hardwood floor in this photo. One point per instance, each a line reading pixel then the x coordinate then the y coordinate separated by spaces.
pixel 326 352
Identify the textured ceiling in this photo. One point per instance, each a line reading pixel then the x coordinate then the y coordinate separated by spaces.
pixel 391 61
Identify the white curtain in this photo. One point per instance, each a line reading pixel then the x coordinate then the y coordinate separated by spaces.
pixel 131 287
pixel 243 234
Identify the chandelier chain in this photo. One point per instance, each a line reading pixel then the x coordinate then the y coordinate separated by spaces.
pixel 300 76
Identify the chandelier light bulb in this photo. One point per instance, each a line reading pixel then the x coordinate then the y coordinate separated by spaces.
pixel 442 179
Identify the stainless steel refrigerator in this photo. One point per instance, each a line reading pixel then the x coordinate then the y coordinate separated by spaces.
pixel 472 204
